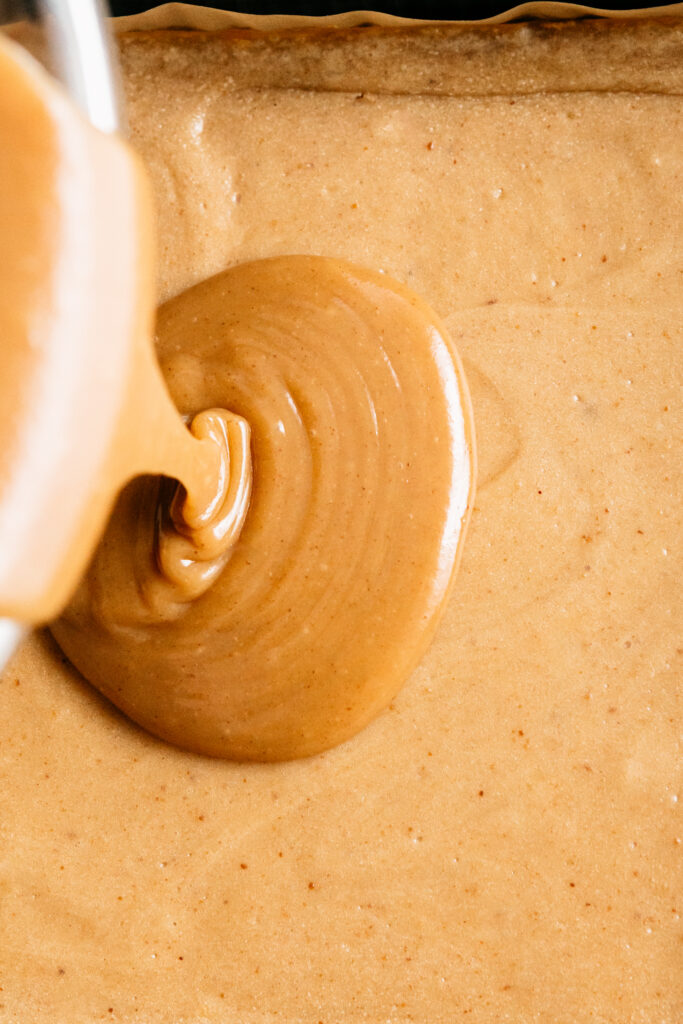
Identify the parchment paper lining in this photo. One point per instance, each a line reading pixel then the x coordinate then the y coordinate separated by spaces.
pixel 178 15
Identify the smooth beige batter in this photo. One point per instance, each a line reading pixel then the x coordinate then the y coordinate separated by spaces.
pixel 335 585
pixel 505 843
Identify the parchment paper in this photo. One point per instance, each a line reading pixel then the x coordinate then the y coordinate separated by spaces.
pixel 208 18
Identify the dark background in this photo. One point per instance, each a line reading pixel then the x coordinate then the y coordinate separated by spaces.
pixel 437 9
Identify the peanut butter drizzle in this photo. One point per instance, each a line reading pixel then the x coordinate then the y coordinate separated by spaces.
pixel 362 450
pixel 363 463
pixel 84 405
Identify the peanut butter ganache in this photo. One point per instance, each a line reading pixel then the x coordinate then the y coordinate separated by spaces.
pixel 362 469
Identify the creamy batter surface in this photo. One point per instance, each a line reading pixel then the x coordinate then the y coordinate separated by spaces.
pixel 504 843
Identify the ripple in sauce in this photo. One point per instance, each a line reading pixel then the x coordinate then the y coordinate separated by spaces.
pixel 363 469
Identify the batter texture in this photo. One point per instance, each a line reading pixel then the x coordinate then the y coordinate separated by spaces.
pixel 503 844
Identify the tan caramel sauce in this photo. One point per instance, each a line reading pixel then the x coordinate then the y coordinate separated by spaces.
pixel 361 480
pixel 83 407
pixel 503 844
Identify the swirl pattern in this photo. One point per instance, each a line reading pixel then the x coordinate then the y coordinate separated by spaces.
pixel 362 456
pixel 194 541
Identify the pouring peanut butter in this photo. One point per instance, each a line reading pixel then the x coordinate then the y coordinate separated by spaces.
pixel 261 623
pixel 84 405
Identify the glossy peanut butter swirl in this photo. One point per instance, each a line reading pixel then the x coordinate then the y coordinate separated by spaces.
pixel 362 470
